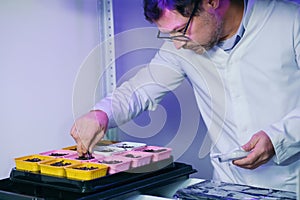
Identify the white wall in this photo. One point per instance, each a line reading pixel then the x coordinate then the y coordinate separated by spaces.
pixel 42 46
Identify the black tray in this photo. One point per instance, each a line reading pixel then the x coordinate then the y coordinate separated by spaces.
pixel 211 189
pixel 143 178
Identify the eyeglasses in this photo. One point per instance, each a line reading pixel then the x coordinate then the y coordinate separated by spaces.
pixel 181 37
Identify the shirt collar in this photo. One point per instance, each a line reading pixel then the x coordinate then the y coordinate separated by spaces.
pixel 227 45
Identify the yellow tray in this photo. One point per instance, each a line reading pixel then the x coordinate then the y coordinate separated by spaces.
pixel 106 142
pixel 72 148
pixel 47 167
pixel 74 172
pixel 24 163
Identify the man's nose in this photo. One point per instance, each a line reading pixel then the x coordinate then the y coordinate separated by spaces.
pixel 178 44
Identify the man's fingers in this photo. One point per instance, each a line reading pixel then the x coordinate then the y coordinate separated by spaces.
pixel 81 150
pixel 88 130
pixel 96 139
pixel 251 158
pixel 251 143
pixel 252 161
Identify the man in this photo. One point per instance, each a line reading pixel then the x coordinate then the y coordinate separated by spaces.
pixel 242 59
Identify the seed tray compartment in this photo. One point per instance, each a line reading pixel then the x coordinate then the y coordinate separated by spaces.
pixel 84 158
pixel 115 163
pixel 24 163
pixel 106 142
pixel 86 171
pixel 122 182
pixel 107 150
pixel 158 153
pixel 62 153
pixel 57 166
pixel 137 158
pixel 128 146
pixel 71 148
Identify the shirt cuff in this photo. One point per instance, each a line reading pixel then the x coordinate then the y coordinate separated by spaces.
pixel 277 138
pixel 105 106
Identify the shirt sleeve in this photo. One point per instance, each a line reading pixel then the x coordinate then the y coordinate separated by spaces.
pixel 297 37
pixel 285 134
pixel 144 91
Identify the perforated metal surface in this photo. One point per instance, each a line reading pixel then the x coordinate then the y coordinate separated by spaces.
pixel 106 30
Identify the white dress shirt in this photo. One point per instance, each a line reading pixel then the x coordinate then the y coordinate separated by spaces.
pixel 256 86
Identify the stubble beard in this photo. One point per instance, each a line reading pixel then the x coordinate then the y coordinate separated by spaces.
pixel 214 39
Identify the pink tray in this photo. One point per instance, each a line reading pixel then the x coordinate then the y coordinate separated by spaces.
pixel 76 157
pixel 115 163
pixel 158 153
pixel 138 158
pixel 61 153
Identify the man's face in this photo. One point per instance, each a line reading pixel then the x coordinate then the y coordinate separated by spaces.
pixel 204 30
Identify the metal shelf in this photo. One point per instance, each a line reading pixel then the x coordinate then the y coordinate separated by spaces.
pixel 107 51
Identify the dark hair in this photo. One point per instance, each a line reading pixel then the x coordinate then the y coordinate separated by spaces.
pixel 153 9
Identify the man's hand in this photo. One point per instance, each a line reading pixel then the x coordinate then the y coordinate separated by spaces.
pixel 88 130
pixel 262 151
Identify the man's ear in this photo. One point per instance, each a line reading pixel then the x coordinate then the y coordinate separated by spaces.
pixel 214 3
pixel 210 4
